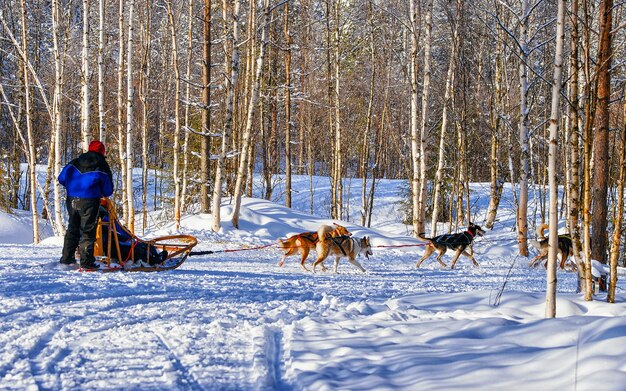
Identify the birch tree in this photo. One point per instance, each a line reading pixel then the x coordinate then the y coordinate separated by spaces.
pixel 176 136
pixel 288 88
pixel 337 145
pixel 423 142
pixel 574 135
pixel 130 92
pixel 85 113
pixel 230 85
pixel 101 113
pixel 448 97
pixel 57 101
pixel 121 146
pixel 365 162
pixel 187 127
pixel 250 115
pixel 205 148
pixel 553 241
pixel 144 82
pixel 30 138
pixel 522 210
pixel 415 145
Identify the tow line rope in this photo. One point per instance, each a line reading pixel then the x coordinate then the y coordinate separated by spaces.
pixel 230 250
pixel 207 252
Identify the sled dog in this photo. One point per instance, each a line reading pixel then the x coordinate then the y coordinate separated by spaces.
pixel 565 248
pixel 458 242
pixel 342 246
pixel 305 242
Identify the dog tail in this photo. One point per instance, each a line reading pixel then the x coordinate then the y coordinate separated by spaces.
pixel 323 233
pixel 541 229
pixel 281 243
pixel 421 236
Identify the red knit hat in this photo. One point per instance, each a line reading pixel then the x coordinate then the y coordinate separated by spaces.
pixel 97 146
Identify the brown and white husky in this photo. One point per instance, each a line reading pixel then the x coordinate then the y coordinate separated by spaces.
pixel 341 246
pixel 304 242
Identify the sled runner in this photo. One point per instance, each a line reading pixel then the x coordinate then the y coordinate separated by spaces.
pixel 116 248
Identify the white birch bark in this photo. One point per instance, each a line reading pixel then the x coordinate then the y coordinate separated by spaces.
pixel 205 149
pixel 250 115
pixel 84 81
pixel 121 146
pixel 130 92
pixel 448 96
pixel 183 191
pixel 415 145
pixel 231 84
pixel 144 82
pixel 101 113
pixel 368 124
pixel 288 87
pixel 553 244
pixel 425 116
pixel 56 108
pixel 522 210
pixel 176 147
pixel 32 162
pixel 338 145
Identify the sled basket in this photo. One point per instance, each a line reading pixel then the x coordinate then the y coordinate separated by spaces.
pixel 118 248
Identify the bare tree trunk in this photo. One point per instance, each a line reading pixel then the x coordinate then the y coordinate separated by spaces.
pixel 601 135
pixel 448 96
pixel 121 148
pixel 183 192
pixel 617 225
pixel 415 145
pixel 176 147
pixel 250 115
pixel 337 155
pixel 130 92
pixel 288 87
pixel 425 117
pixel 522 210
pixel 101 113
pixel 587 142
pixel 231 84
pixel 57 121
pixel 497 183
pixel 32 162
pixel 144 81
pixel 574 143
pixel 365 162
pixel 85 118
pixel 553 241
pixel 205 148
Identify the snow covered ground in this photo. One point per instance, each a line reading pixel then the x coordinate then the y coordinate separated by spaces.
pixel 237 321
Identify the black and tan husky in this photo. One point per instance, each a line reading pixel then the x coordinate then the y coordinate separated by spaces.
pixel 565 248
pixel 458 242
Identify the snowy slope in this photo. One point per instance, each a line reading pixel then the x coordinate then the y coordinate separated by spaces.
pixel 237 321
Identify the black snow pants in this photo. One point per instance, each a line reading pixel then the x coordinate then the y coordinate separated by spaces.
pixel 81 229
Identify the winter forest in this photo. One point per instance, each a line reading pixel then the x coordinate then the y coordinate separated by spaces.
pixel 202 94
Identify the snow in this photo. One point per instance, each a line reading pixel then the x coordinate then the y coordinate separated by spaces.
pixel 237 321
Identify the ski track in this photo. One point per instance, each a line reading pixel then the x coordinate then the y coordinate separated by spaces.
pixel 215 323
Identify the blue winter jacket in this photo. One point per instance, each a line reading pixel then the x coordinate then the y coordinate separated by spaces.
pixel 87 176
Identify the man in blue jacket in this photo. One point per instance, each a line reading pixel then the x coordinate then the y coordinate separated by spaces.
pixel 86 179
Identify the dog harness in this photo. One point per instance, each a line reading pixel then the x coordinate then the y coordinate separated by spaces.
pixel 452 240
pixel 337 240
